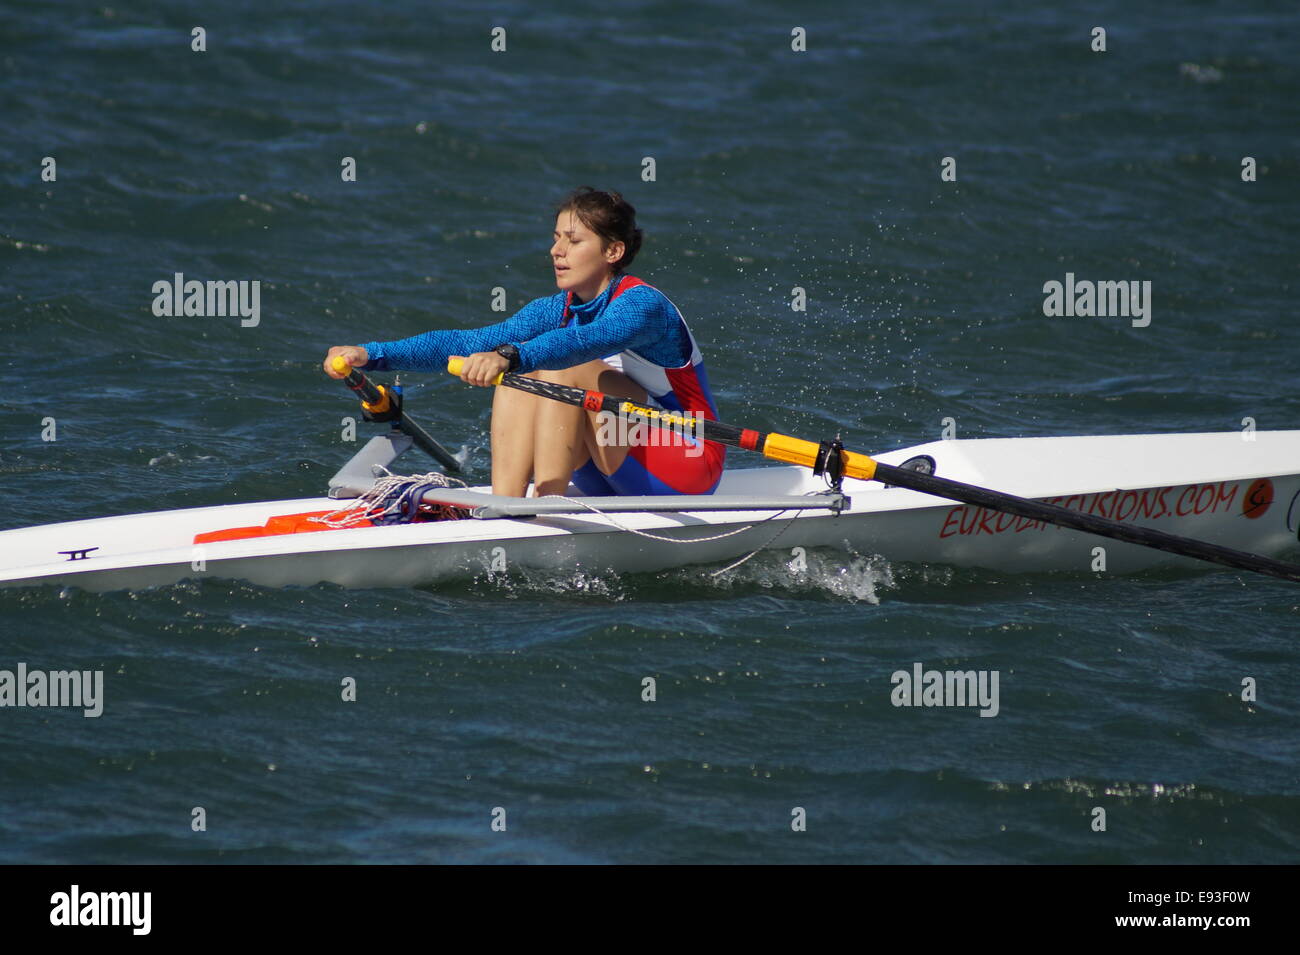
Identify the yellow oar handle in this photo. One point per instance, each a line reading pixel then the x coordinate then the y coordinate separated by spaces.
pixel 782 447
pixel 363 387
pixel 455 365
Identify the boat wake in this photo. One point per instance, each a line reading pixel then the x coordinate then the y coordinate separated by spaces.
pixel 523 582
pixel 826 573
pixel 801 571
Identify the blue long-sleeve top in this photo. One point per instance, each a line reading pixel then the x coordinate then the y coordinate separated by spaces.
pixel 640 319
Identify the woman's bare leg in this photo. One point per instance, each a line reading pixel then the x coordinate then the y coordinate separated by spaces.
pixel 514 425
pixel 559 443
pixel 565 436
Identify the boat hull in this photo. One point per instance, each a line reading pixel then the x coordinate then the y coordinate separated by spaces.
pixel 1216 487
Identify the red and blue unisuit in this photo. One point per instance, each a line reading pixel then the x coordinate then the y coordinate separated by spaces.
pixel 633 327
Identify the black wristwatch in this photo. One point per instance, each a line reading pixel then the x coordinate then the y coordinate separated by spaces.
pixel 510 353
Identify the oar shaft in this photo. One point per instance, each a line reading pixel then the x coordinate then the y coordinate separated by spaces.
pixel 1064 517
pixel 377 401
pixel 782 447
pixel 778 447
pixel 430 446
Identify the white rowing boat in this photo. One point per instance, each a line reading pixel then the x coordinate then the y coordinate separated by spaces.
pixel 1218 488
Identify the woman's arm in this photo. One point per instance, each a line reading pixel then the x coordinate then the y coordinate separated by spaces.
pixel 429 351
pixel 636 319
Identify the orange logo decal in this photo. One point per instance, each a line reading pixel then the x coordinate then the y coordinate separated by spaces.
pixel 1258 497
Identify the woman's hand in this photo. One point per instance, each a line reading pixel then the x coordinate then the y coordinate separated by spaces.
pixel 482 368
pixel 354 355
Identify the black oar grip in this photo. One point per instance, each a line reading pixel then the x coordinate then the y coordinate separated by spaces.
pixel 358 382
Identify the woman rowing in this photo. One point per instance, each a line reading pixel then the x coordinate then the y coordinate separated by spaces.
pixel 603 331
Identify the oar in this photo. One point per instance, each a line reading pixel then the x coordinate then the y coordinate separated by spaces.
pixel 378 401
pixel 829 458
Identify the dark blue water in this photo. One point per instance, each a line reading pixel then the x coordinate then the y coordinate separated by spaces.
pixel 774 170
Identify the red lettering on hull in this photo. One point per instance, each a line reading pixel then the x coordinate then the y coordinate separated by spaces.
pixel 1149 504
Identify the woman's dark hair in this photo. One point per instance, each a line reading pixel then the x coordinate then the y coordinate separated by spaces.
pixel 608 215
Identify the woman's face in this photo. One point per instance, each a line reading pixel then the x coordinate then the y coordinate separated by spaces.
pixel 576 254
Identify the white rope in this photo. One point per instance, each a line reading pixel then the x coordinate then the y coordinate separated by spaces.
pixel 670 540
pixel 390 490
pixel 752 553
pixel 697 540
